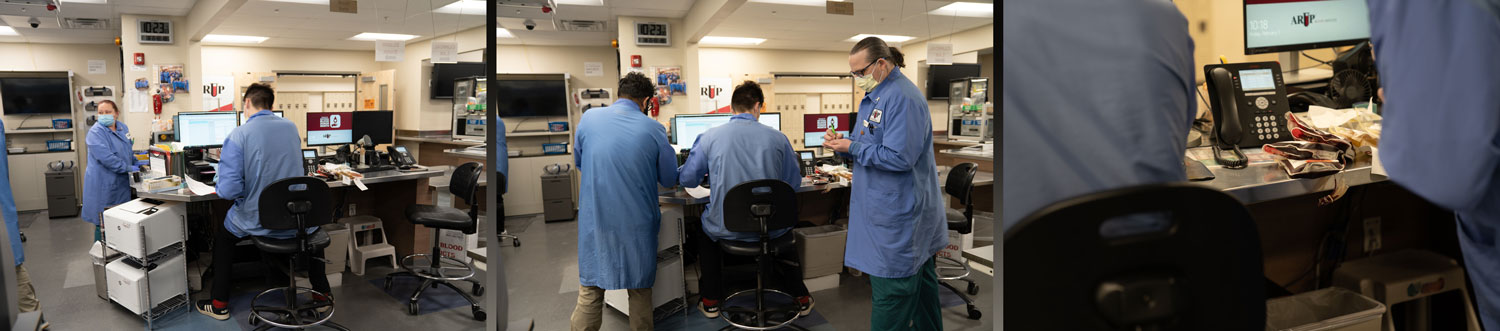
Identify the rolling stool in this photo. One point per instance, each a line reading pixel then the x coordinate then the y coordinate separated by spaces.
pixel 294 203
pixel 1407 276
pixel 960 185
pixel 434 268
pixel 760 206
pixel 364 231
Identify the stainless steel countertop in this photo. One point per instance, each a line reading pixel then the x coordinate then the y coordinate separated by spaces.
pixel 370 178
pixel 440 140
pixel 477 154
pixel 969 153
pixel 1266 181
pixel 677 196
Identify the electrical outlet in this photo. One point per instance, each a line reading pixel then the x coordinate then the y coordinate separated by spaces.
pixel 351 210
pixel 1372 234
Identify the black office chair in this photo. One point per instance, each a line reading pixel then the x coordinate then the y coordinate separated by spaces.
pixel 1201 270
pixel 960 185
pixel 435 269
pixel 294 203
pixel 760 206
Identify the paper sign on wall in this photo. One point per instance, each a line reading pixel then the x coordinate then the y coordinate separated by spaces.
pixel 96 67
pixel 216 93
pixel 444 52
pixel 389 50
pixel 939 53
pixel 593 69
pixel 343 6
pixel 713 95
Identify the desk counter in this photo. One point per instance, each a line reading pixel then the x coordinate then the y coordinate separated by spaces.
pixel 370 178
pixel 1265 181
pixel 677 196
pixel 970 153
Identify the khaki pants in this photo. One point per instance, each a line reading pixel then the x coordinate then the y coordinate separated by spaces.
pixel 590 311
pixel 26 292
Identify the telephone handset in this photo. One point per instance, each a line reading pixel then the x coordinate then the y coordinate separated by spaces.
pixel 1249 106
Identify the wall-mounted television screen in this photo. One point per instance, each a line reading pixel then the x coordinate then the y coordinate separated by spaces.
pixel 531 97
pixel 443 75
pixel 27 96
pixel 938 76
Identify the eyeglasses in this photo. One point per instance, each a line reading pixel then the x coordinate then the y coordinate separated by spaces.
pixel 861 71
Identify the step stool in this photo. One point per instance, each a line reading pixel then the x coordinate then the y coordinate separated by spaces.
pixel 1408 276
pixel 369 242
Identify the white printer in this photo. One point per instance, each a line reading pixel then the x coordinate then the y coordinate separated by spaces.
pixel 141 227
pixel 128 282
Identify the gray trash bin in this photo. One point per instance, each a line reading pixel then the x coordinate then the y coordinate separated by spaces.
pixel 1329 309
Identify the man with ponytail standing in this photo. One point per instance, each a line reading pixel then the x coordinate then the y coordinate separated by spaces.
pixel 896 218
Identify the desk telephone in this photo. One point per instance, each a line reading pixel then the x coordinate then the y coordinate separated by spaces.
pixel 1249 106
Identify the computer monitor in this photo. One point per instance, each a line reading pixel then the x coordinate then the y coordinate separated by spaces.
pixel 205 129
pixel 687 127
pixel 279 113
pixel 772 120
pixel 1291 26
pixel 375 123
pixel 814 126
pixel 330 128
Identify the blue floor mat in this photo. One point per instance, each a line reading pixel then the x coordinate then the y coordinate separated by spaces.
pixel 694 319
pixel 433 299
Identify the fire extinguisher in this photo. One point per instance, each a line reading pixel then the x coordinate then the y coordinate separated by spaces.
pixel 653 106
pixel 156 103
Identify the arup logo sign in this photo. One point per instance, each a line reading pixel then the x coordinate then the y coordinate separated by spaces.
pixel 1305 19
pixel 213 89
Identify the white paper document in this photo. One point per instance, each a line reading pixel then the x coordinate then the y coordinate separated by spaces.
pixel 698 192
pixel 199 188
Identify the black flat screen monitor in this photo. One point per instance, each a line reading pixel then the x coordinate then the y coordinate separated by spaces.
pixel 517 98
pixel 28 96
pixel 939 75
pixel 375 123
pixel 443 75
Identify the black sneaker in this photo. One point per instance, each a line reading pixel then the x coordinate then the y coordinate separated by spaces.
pixel 806 304
pixel 206 307
pixel 710 310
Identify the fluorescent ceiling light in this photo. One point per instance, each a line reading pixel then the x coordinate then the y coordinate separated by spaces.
pixel 581 2
pixel 887 38
pixel 86 1
pixel 310 2
pixel 8 31
pixel 818 3
pixel 463 7
pixel 382 36
pixel 224 38
pixel 503 33
pixel 713 40
pixel 966 9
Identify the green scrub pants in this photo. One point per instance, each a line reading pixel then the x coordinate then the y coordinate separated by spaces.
pixel 909 303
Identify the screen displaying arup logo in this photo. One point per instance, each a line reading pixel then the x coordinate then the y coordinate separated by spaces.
pixel 1305 19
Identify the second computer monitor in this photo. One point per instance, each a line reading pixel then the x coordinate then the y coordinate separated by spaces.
pixel 814 126
pixel 205 129
pixel 330 128
pixel 375 123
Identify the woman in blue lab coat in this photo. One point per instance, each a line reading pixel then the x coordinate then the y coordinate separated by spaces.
pixel 106 182
pixel 896 219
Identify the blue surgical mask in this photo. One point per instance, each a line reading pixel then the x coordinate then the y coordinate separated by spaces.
pixel 107 119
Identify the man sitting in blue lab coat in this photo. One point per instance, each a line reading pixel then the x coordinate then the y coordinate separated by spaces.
pixel 736 152
pixel 265 149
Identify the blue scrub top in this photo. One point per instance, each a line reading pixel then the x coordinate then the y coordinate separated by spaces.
pixel 623 157
pixel 501 162
pixel 265 149
pixel 736 152
pixel 8 207
pixel 1093 104
pixel 1441 136
pixel 896 218
pixel 106 180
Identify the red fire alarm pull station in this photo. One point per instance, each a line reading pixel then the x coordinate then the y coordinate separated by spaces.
pixel 635 61
pixel 140 59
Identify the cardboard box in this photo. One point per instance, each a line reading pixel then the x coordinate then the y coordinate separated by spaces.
pixel 821 249
pixel 453 244
pixel 821 283
pixel 957 243
pixel 337 251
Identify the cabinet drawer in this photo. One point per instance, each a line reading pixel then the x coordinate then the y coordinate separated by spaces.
pixel 59 185
pixel 560 188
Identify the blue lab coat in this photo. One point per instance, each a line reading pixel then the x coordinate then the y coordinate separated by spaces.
pixel 896 217
pixel 736 152
pixel 1441 136
pixel 1095 104
pixel 501 162
pixel 622 157
pixel 8 207
pixel 106 181
pixel 263 150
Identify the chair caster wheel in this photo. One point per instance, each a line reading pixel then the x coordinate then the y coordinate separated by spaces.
pixel 974 314
pixel 973 289
pixel 479 314
pixel 387 283
pixel 478 290
pixel 516 242
pixel 411 309
pixel 254 321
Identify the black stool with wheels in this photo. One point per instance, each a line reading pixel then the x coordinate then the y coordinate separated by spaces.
pixel 295 203
pixel 435 269
pixel 760 206
pixel 960 185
